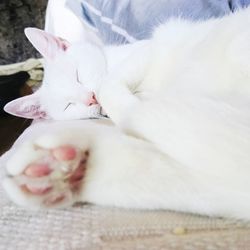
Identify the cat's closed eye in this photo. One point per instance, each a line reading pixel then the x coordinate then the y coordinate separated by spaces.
pixel 68 105
pixel 77 77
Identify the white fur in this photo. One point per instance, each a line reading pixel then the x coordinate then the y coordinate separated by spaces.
pixel 181 101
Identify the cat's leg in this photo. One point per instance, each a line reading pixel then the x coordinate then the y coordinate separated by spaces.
pixel 117 92
pixel 81 161
pixel 207 135
pixel 98 164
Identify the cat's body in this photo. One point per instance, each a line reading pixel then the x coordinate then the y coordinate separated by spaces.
pixel 212 57
pixel 182 99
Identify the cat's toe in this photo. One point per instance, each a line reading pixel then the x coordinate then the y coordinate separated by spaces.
pixel 36 190
pixel 64 153
pixel 26 154
pixel 37 170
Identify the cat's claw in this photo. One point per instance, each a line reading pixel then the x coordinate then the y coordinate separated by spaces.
pixel 54 179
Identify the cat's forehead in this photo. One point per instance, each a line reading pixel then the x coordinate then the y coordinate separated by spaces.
pixel 84 57
pixel 76 70
pixel 88 57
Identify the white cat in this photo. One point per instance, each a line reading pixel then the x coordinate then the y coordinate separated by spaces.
pixel 181 105
pixel 69 95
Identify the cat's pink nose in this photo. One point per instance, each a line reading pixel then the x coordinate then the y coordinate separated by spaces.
pixel 92 100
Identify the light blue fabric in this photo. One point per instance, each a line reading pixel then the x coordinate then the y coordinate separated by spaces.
pixel 123 21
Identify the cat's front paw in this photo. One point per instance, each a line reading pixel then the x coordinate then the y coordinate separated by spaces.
pixel 44 177
pixel 116 99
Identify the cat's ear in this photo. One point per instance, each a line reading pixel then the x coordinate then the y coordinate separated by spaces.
pixel 26 107
pixel 47 44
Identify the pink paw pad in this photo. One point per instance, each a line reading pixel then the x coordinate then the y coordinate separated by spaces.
pixel 37 170
pixel 64 153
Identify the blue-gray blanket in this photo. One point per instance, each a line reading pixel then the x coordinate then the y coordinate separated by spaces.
pixel 125 21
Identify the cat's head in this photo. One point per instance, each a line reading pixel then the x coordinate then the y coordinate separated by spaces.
pixel 72 72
